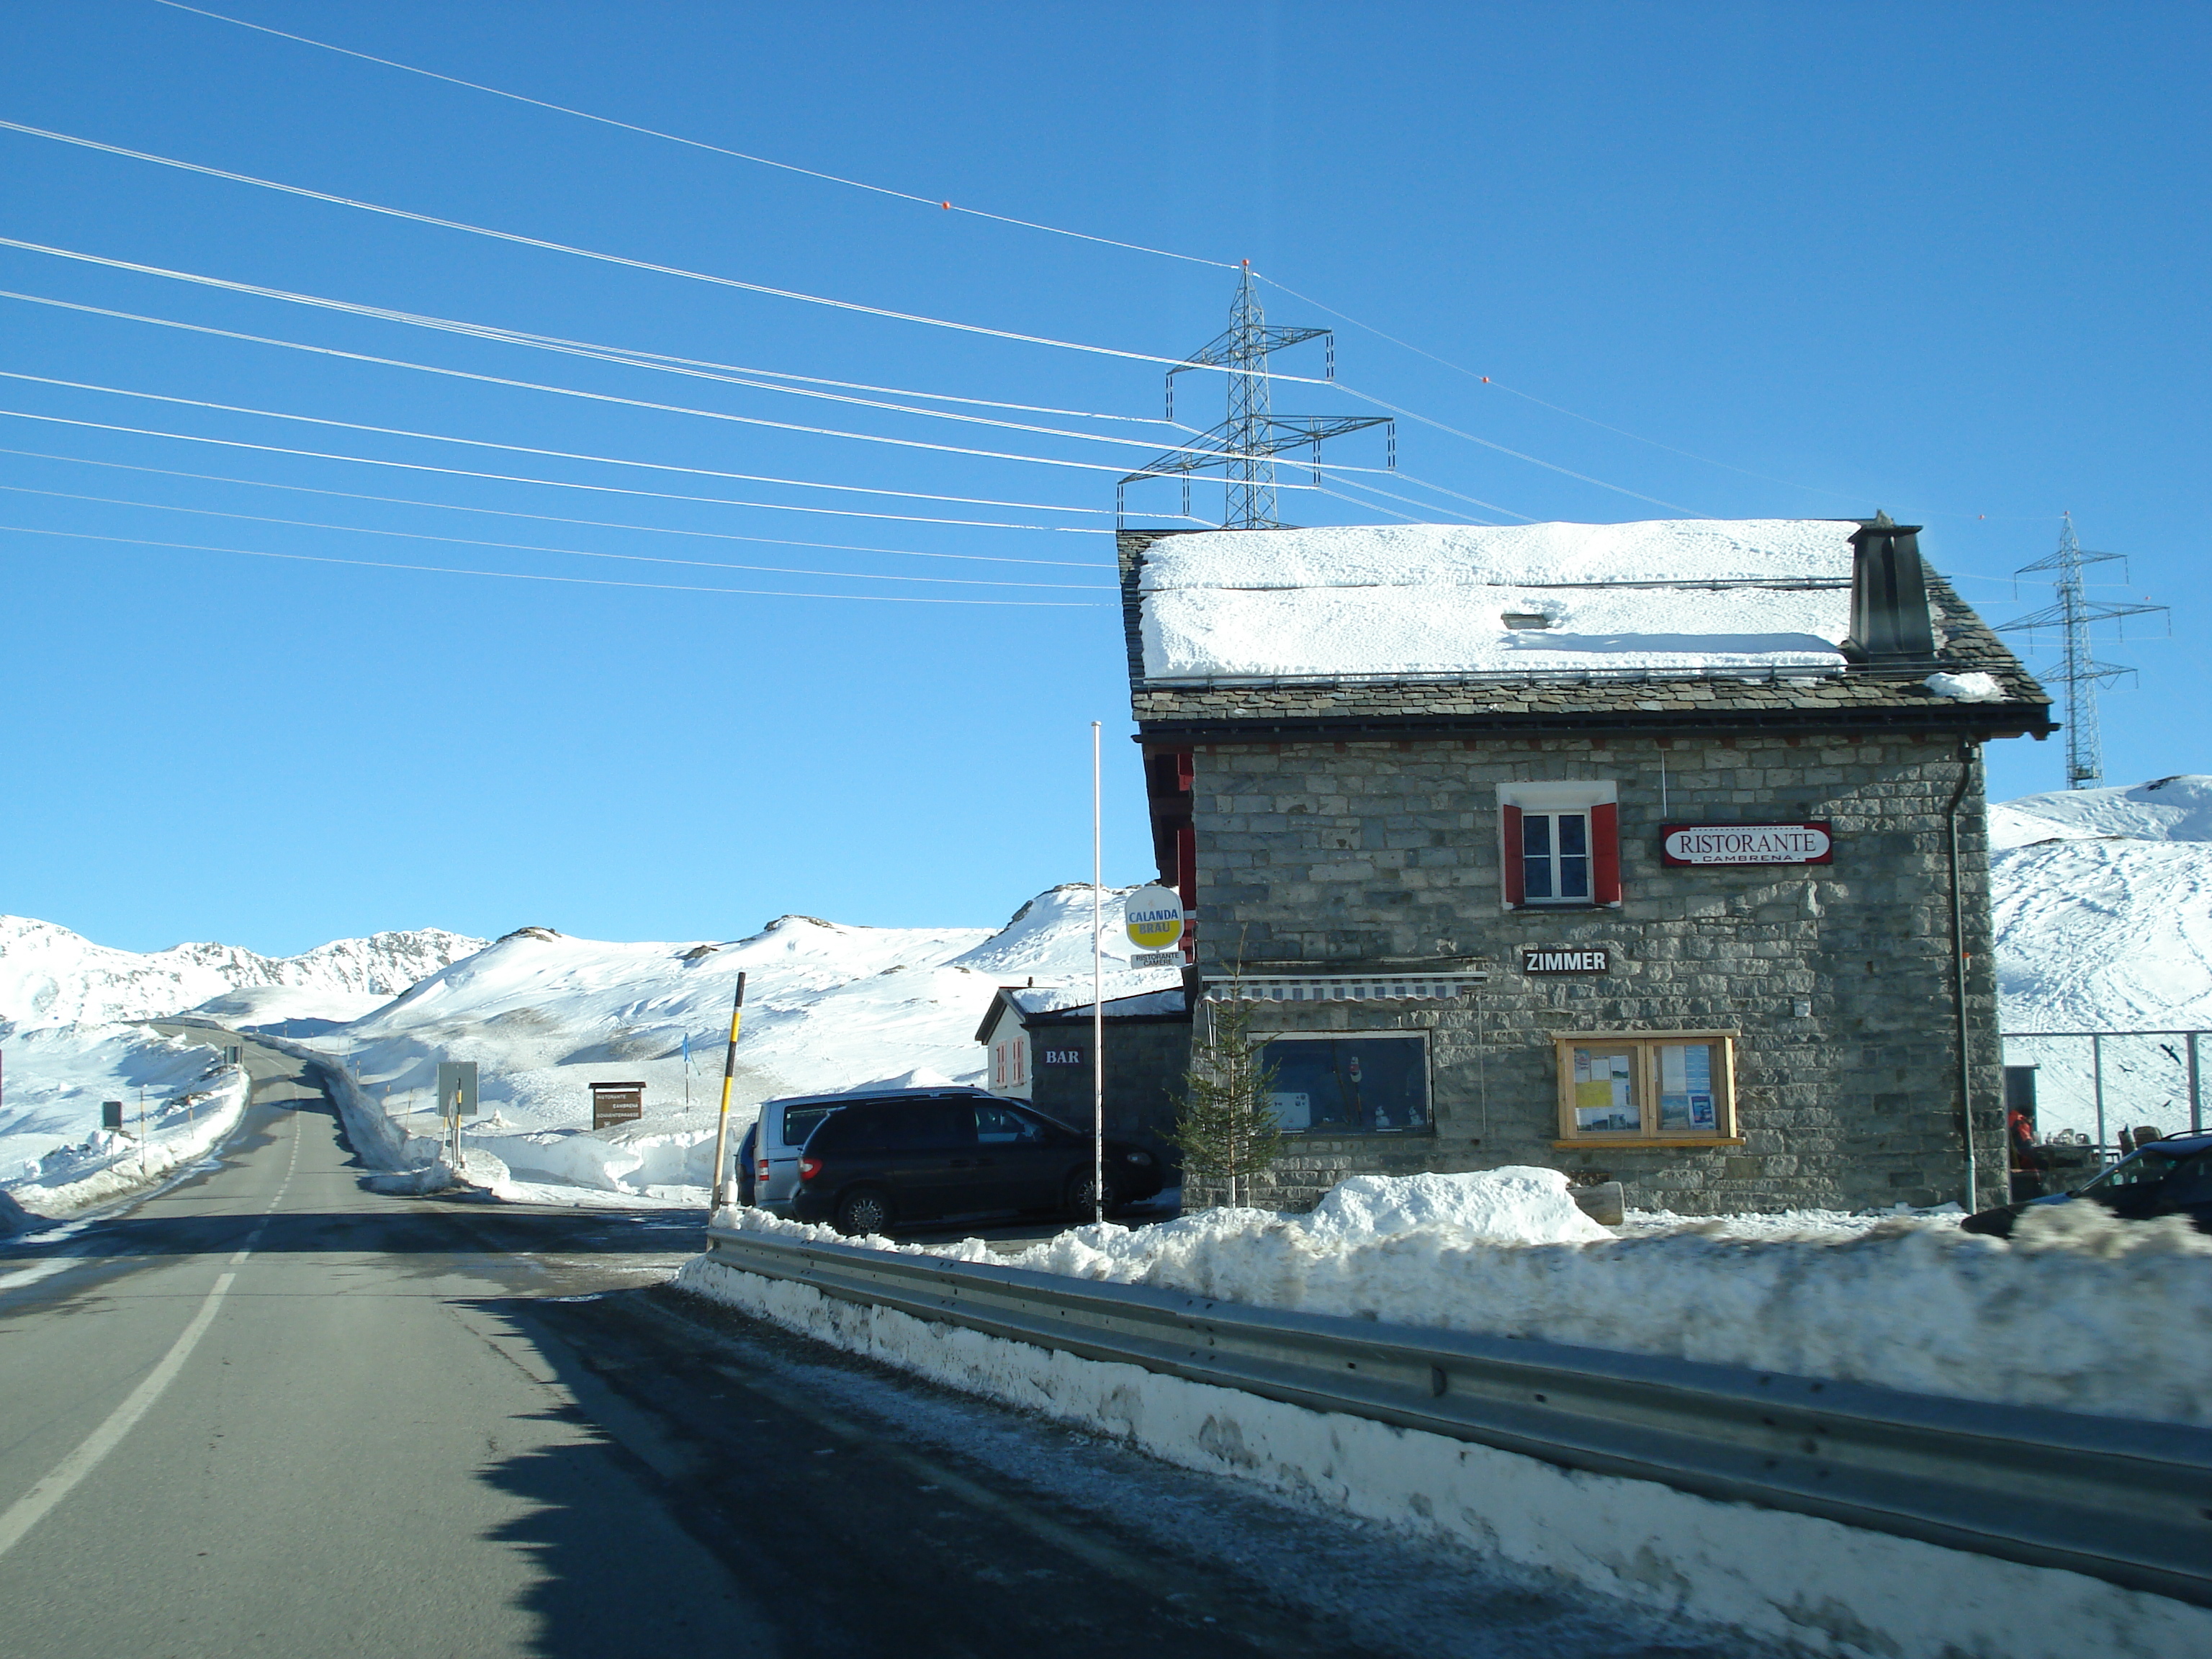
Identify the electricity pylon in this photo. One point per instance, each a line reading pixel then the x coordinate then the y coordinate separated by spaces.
pixel 2078 672
pixel 1244 447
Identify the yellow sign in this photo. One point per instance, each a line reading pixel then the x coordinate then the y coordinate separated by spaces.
pixel 1154 918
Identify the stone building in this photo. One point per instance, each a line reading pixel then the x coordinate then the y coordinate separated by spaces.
pixel 1651 853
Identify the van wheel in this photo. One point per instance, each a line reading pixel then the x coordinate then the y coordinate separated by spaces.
pixel 1078 1202
pixel 866 1211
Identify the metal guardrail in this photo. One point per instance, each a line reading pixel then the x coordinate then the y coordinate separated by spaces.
pixel 2127 1501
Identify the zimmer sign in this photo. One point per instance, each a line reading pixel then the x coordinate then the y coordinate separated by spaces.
pixel 1681 845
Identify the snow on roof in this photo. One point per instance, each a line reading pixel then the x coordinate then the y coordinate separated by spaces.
pixel 1069 999
pixel 1751 595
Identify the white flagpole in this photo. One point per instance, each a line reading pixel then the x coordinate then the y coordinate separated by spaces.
pixel 1097 994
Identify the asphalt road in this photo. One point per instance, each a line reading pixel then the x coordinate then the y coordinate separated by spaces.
pixel 269 1412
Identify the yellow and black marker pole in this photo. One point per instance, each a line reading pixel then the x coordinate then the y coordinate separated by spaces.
pixel 717 1196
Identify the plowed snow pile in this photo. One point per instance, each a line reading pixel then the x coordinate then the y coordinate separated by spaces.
pixel 2080 1312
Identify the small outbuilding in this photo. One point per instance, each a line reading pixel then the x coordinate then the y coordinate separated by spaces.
pixel 1037 1046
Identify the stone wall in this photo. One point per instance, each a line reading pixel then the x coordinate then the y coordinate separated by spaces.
pixel 1145 1060
pixel 1321 852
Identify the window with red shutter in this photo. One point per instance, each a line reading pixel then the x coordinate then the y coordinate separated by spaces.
pixel 1559 844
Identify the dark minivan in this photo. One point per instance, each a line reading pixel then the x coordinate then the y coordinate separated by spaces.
pixel 2172 1176
pixel 877 1163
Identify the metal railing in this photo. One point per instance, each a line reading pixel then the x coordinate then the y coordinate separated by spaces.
pixel 2118 1500
pixel 2098 1083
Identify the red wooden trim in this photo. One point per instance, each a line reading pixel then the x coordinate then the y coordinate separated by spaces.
pixel 1604 853
pixel 1509 829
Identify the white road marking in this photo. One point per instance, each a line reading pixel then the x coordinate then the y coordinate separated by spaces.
pixel 26 1511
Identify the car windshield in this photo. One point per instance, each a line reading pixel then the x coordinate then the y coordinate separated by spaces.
pixel 2153 1163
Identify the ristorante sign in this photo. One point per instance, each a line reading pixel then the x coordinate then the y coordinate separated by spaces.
pixel 1683 844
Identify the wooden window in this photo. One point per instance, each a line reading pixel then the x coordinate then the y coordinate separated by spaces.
pixel 1559 844
pixel 1647 1088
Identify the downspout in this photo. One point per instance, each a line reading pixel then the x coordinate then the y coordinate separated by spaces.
pixel 1958 970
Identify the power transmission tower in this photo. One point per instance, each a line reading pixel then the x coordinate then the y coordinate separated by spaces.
pixel 2078 671
pixel 1244 447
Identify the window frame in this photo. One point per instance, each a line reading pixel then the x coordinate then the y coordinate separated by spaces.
pixel 1343 1131
pixel 1727 1131
pixel 1597 801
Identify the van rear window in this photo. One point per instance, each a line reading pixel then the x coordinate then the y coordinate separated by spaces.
pixel 800 1121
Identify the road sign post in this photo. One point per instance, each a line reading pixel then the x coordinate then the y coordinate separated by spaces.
pixel 457 1099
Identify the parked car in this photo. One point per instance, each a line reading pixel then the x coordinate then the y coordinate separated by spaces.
pixel 2172 1177
pixel 883 1161
pixel 767 1157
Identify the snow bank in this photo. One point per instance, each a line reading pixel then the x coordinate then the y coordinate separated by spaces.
pixel 1811 1585
pixel 1966 688
pixel 2078 1311
pixel 55 1159
pixel 1687 596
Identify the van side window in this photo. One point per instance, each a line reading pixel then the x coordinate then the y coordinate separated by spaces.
pixel 1002 1125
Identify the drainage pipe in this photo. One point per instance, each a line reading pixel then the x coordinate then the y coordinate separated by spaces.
pixel 1958 970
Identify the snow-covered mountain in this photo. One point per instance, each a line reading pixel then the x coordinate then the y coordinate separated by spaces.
pixel 2103 905
pixel 51 976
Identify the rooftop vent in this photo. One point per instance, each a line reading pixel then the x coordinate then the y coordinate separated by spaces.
pixel 1527 619
pixel 1890 627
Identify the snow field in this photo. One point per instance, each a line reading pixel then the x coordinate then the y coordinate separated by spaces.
pixel 55 1159
pixel 1827 1589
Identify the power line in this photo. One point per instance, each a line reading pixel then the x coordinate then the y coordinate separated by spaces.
pixel 578 582
pixel 552 518
pixel 696 144
pixel 522 449
pixel 660 363
pixel 590 397
pixel 541 243
pixel 627 262
pixel 573 552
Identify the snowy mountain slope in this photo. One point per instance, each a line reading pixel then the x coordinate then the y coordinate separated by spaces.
pixel 51 977
pixel 2102 900
pixel 2176 809
pixel 827 1006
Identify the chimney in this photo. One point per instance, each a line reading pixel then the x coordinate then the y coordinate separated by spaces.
pixel 1889 598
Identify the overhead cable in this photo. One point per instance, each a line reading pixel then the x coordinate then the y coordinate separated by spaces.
pixel 522 449
pixel 696 144
pixel 578 582
pixel 552 518
pixel 660 363
pixel 540 243
pixel 590 397
pixel 571 552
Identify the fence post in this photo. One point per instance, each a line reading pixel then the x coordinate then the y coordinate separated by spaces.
pixel 2097 1072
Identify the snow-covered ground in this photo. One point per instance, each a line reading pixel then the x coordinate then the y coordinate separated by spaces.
pixel 2102 900
pixel 827 1006
pixel 54 1156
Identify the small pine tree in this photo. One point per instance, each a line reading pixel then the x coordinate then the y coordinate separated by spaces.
pixel 1226 1126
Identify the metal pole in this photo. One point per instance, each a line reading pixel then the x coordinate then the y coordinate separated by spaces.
pixel 2096 1080
pixel 718 1192
pixel 1097 991
pixel 2196 1096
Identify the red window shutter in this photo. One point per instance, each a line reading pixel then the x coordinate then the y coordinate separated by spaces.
pixel 1509 829
pixel 1604 853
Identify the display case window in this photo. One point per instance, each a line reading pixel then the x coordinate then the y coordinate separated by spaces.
pixel 1350 1083
pixel 1656 1087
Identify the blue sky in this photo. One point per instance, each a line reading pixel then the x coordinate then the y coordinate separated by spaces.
pixel 1947 261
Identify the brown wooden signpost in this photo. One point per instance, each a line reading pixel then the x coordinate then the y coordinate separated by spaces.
pixel 617 1102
